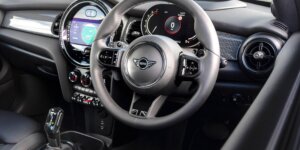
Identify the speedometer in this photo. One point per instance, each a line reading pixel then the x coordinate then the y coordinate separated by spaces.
pixel 171 21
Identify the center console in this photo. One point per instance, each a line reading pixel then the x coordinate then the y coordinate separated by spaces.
pixel 78 28
pixel 68 140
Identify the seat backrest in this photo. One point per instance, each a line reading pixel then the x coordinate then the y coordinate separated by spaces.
pixel 287 11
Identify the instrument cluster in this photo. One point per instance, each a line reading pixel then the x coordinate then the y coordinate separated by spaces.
pixel 171 21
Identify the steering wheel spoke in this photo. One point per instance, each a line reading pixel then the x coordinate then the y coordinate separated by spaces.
pixel 189 67
pixel 145 107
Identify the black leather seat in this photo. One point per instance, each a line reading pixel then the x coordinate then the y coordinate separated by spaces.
pixel 18 132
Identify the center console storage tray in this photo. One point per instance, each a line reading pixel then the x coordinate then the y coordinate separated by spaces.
pixel 83 141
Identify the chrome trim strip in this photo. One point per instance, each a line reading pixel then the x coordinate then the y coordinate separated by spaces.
pixel 38 22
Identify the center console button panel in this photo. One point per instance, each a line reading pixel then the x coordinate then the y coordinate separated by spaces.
pixel 84 92
pixel 86 99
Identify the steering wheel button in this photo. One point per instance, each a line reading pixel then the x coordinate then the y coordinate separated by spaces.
pixel 108 57
pixel 189 67
pixel 183 71
pixel 134 112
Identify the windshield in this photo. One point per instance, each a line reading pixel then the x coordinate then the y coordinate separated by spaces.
pixel 266 3
pixel 253 1
pixel 235 0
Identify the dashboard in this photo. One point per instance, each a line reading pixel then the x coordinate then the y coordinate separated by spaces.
pixel 70 28
pixel 81 20
pixel 52 39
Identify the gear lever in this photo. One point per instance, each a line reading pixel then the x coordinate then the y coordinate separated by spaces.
pixel 52 127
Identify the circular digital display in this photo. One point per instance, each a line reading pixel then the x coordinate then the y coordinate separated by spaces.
pixel 171 21
pixel 84 26
pixel 173 25
pixel 78 29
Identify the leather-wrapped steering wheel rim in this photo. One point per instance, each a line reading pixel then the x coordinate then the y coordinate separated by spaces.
pixel 209 67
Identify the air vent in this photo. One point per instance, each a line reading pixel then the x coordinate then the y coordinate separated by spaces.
pixel 280 25
pixel 258 54
pixel 133 31
pixel 55 25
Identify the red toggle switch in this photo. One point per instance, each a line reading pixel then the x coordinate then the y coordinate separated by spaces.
pixel 87 101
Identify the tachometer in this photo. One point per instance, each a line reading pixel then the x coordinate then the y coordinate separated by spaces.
pixel 172 21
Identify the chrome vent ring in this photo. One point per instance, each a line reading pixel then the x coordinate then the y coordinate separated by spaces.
pixel 258 54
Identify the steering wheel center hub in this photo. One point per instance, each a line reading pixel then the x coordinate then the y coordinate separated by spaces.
pixel 144 65
pixel 149 63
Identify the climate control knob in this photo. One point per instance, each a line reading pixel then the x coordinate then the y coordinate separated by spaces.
pixel 74 76
pixel 86 79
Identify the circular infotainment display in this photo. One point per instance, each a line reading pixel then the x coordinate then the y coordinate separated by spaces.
pixel 79 26
pixel 84 26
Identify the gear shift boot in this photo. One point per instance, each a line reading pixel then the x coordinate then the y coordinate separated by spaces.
pixel 68 140
pixel 64 146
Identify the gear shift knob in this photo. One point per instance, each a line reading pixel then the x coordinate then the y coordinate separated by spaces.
pixel 52 126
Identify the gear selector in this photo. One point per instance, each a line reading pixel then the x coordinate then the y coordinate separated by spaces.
pixel 52 127
pixel 67 140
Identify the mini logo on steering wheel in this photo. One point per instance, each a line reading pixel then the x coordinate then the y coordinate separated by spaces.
pixel 143 63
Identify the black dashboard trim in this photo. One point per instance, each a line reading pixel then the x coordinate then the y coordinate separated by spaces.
pixel 45 47
pixel 11 47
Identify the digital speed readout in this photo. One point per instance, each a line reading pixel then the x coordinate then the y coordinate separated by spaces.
pixel 170 21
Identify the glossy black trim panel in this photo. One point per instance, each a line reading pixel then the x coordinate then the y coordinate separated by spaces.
pixel 44 46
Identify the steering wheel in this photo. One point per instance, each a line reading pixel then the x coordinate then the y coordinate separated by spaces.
pixel 153 65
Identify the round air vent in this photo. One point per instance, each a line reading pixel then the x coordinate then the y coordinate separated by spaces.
pixel 258 54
